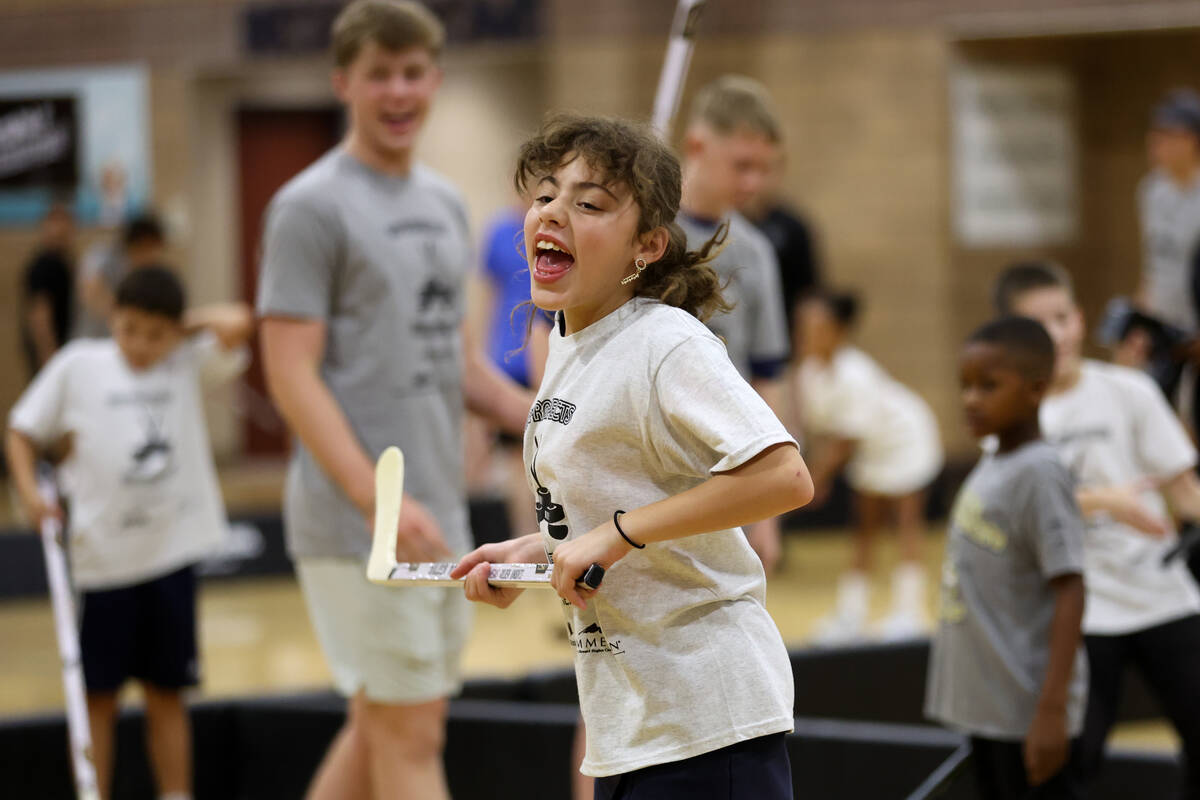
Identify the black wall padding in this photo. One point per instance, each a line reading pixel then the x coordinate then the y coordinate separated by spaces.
pixel 835 759
pixel 872 683
pixel 886 683
pixel 35 763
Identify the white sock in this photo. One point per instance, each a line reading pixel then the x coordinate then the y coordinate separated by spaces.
pixel 853 598
pixel 908 589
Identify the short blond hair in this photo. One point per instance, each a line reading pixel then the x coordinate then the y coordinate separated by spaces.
pixel 392 24
pixel 735 101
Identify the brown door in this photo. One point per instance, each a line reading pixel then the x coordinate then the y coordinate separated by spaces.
pixel 273 145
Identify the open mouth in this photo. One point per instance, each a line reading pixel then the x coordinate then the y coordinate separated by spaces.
pixel 399 123
pixel 551 261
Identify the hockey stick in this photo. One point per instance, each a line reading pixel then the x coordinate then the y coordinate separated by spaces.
pixel 382 567
pixel 63 603
pixel 675 65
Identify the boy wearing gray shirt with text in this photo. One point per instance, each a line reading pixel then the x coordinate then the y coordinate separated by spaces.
pixel 1006 667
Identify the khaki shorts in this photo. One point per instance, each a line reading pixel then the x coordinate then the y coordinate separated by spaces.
pixel 398 645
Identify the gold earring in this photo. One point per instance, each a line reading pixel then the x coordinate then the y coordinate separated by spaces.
pixel 639 264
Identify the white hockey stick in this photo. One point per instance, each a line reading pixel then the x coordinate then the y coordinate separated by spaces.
pixel 675 65
pixel 63 603
pixel 382 567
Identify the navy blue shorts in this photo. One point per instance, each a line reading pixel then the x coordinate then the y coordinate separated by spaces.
pixel 146 631
pixel 756 769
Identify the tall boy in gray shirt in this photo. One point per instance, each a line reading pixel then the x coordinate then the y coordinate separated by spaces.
pixel 1006 666
pixel 364 255
pixel 728 151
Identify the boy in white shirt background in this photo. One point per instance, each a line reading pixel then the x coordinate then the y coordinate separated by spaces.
pixel 1128 452
pixel 144 500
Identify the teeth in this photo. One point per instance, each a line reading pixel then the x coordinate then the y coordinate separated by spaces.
pixel 544 244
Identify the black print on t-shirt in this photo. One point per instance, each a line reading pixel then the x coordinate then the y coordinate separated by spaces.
pixel 437 291
pixel 435 324
pixel 551 409
pixel 549 513
pixel 592 640
pixel 152 459
pixel 550 517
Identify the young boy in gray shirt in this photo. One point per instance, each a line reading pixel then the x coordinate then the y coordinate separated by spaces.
pixel 1006 666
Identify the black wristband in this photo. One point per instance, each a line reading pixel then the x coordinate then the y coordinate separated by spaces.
pixel 617 525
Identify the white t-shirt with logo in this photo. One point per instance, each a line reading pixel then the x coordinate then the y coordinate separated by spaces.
pixel 676 655
pixel 140 478
pixel 897 446
pixel 1113 428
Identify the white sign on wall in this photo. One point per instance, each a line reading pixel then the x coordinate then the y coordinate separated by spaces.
pixel 1015 156
pixel 105 112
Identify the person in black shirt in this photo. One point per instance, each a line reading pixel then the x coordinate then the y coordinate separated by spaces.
pixel 792 239
pixel 47 290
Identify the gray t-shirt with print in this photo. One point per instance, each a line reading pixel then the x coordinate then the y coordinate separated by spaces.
pixel 755 331
pixel 1014 527
pixel 381 261
pixel 676 654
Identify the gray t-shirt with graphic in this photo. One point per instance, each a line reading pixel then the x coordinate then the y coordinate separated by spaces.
pixel 676 655
pixel 1014 527
pixel 755 331
pixel 381 261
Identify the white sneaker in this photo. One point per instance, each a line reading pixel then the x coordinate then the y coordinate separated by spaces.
pixel 901 626
pixel 846 625
pixel 837 631
pixel 908 618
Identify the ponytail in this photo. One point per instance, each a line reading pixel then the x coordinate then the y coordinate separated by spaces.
pixel 685 278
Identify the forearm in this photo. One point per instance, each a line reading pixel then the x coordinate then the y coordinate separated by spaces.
pixel 1091 501
pixel 1183 492
pixel 1065 636
pixel 772 483
pixel 231 323
pixel 315 417
pixel 493 395
pixel 22 460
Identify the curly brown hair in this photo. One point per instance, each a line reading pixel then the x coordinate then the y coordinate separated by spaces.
pixel 630 154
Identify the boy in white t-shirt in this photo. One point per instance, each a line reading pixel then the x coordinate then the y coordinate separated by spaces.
pixel 144 501
pixel 1127 450
pixel 645 451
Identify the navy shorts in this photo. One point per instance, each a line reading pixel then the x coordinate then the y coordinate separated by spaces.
pixel 145 631
pixel 756 769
